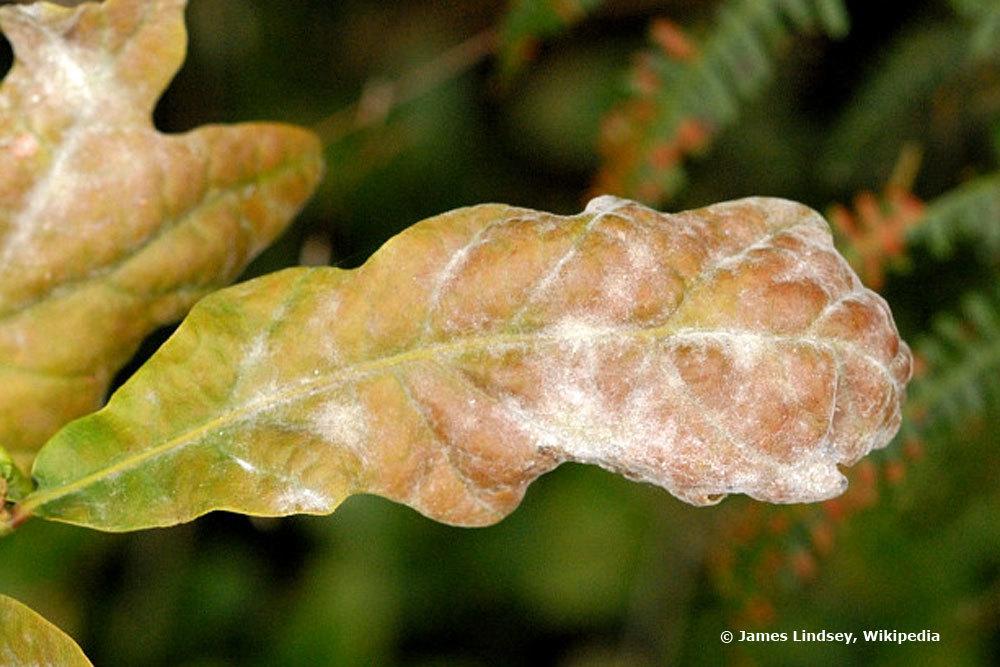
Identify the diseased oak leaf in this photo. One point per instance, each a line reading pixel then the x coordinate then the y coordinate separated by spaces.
pixel 109 229
pixel 724 350
pixel 28 639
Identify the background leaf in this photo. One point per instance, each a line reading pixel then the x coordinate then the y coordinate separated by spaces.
pixel 723 350
pixel 686 91
pixel 109 229
pixel 529 21
pixel 28 639
pixel 968 214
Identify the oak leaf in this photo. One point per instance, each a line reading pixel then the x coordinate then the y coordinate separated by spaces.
pixel 28 639
pixel 109 229
pixel 724 350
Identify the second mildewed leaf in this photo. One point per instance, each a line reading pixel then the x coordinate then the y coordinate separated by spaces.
pixel 108 228
pixel 728 349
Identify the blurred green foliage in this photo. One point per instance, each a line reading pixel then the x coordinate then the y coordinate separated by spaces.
pixel 592 570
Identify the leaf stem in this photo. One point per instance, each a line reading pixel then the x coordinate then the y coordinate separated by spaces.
pixel 9 519
pixel 9 522
pixel 379 98
pixel 17 518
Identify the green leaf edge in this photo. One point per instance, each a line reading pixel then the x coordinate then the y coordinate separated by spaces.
pixel 55 635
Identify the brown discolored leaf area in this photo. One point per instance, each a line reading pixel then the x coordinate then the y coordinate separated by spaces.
pixel 724 350
pixel 108 228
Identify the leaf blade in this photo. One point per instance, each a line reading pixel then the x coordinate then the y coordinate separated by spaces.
pixel 482 348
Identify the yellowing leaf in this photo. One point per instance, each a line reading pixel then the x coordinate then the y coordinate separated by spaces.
pixel 108 228
pixel 723 350
pixel 28 639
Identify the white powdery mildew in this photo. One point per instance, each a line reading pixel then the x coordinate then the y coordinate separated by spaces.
pixel 812 478
pixel 743 348
pixel 28 222
pixel 300 499
pixel 255 365
pixel 817 241
pixel 780 212
pixel 451 270
pixel 618 284
pixel 715 452
pixel 571 399
pixel 856 296
pixel 578 333
pixel 246 465
pixel 261 404
pixel 69 82
pixel 574 417
pixel 605 204
pixel 294 495
pixel 342 424
pixel 71 73
pixel 153 399
pixel 600 208
pixel 256 378
pixel 255 352
pixel 321 325
pixel 577 421
pixel 546 435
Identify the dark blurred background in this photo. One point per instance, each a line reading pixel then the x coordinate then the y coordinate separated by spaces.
pixel 420 116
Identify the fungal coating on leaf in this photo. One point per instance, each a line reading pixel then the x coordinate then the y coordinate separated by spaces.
pixel 108 228
pixel 723 350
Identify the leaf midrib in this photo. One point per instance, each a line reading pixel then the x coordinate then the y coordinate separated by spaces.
pixel 457 347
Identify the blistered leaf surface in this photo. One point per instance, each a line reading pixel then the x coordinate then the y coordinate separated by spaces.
pixel 108 228
pixel 28 639
pixel 724 350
